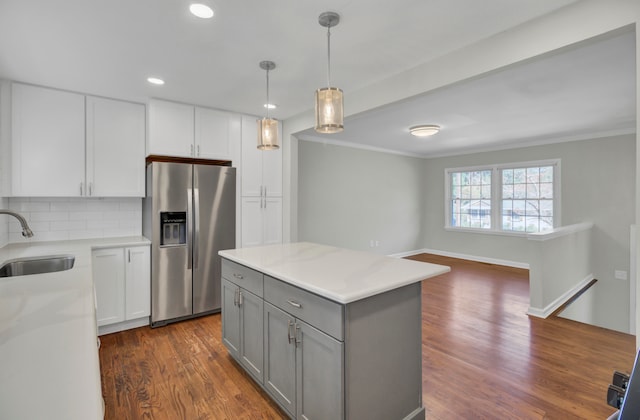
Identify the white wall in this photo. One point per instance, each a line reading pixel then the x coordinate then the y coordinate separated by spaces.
pixel 597 185
pixel 350 197
pixel 53 219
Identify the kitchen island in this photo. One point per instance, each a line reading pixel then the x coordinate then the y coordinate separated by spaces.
pixel 327 332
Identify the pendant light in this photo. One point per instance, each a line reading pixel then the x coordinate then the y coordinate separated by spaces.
pixel 268 127
pixel 329 102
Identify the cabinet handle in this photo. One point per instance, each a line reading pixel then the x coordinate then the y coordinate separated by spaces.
pixel 294 304
pixel 81 189
pixel 129 255
pixel 238 276
pixel 191 149
pixel 91 188
pixel 298 337
pixel 239 297
pixel 289 337
pixel 198 150
pixel 235 297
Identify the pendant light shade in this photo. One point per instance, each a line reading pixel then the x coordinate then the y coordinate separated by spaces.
pixel 268 134
pixel 329 101
pixel 329 110
pixel 268 127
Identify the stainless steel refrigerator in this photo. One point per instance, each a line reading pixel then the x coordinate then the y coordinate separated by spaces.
pixel 189 214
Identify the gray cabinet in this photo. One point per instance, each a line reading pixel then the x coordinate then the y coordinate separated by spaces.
pixel 323 359
pixel 242 313
pixel 280 357
pixel 303 365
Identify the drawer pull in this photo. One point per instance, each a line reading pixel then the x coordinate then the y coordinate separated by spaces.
pixel 294 304
pixel 238 276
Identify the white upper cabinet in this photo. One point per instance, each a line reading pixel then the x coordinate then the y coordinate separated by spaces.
pixel 261 169
pixel 214 133
pixel 170 129
pixel 47 142
pixel 67 145
pixel 115 148
pixel 189 131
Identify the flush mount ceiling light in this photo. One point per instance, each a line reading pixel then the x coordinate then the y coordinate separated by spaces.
pixel 155 81
pixel 268 127
pixel 270 106
pixel 201 10
pixel 424 130
pixel 329 100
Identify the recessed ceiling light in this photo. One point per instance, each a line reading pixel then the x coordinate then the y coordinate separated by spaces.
pixel 424 130
pixel 201 10
pixel 270 106
pixel 155 81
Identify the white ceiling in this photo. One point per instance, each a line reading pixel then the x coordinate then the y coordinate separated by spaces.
pixel 109 47
pixel 583 92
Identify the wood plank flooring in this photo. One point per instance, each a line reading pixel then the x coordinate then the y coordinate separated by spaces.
pixel 483 358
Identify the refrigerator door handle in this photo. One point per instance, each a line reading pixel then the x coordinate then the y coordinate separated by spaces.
pixel 196 218
pixel 189 228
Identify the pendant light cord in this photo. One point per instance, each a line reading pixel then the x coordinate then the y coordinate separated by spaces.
pixel 267 93
pixel 329 56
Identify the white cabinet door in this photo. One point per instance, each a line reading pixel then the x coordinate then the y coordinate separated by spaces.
pixel 251 158
pixel 48 129
pixel 272 221
pixel 171 129
pixel 214 133
pixel 115 148
pixel 108 277
pixel 272 169
pixel 138 282
pixel 252 221
pixel 260 168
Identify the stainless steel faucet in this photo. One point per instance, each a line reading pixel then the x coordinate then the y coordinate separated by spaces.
pixel 26 231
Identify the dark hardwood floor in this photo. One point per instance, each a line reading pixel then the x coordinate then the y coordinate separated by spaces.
pixel 483 358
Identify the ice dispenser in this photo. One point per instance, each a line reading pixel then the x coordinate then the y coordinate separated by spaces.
pixel 173 228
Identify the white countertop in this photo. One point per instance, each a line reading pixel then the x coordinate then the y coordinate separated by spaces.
pixel 341 275
pixel 49 366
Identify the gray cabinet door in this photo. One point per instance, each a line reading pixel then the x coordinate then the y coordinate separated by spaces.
pixel 280 357
pixel 230 318
pixel 319 368
pixel 251 333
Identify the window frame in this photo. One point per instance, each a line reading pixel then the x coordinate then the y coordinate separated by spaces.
pixel 496 195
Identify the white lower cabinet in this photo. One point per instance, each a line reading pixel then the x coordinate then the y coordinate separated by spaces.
pixel 261 221
pixel 122 282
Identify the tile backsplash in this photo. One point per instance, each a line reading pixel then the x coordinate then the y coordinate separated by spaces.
pixel 53 219
pixel 4 232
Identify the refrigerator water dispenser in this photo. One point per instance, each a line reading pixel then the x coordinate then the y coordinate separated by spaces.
pixel 173 228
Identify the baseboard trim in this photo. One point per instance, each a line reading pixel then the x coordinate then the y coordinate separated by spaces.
pixel 551 308
pixel 487 260
pixel 406 254
pixel 121 326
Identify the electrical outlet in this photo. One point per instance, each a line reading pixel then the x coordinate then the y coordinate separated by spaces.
pixel 620 274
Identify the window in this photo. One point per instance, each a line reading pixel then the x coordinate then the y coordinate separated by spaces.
pixel 471 199
pixel 526 195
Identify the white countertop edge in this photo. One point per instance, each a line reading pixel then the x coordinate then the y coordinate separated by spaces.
pixel 345 298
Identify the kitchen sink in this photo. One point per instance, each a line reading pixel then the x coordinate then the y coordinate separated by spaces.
pixel 36 265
